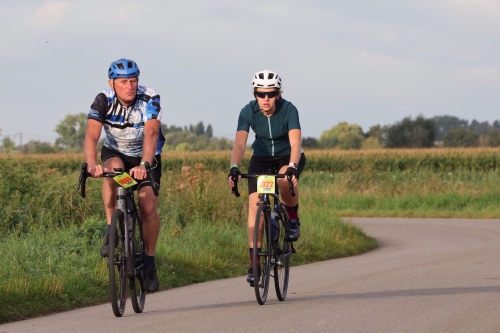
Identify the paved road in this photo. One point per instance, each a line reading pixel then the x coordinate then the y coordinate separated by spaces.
pixel 427 275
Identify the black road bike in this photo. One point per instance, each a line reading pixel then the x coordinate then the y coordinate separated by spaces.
pixel 272 257
pixel 126 242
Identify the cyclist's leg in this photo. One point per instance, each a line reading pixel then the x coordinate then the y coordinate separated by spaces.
pixel 147 206
pixel 110 159
pixel 150 218
pixel 150 226
pixel 253 199
pixel 291 203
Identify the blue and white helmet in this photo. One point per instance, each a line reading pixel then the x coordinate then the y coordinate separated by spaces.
pixel 266 79
pixel 123 68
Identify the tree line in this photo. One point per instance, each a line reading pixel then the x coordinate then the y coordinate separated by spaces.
pixel 421 132
pixel 71 135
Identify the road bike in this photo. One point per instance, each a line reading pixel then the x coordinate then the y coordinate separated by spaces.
pixel 126 241
pixel 271 248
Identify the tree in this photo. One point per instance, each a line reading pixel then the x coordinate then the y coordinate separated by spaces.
pixel 199 129
pixel 8 144
pixel 408 133
pixel 377 132
pixel 480 128
pixel 494 138
pixel 371 143
pixel 209 131
pixel 184 147
pixel 38 147
pixel 446 123
pixel 460 137
pixel 310 142
pixel 343 135
pixel 71 131
pixel 165 129
pixel 175 138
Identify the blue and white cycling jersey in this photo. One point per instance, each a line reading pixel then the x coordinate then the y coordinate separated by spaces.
pixel 124 126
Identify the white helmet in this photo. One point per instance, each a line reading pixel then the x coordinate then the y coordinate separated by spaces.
pixel 266 79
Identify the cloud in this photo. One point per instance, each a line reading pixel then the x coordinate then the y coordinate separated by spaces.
pixel 51 13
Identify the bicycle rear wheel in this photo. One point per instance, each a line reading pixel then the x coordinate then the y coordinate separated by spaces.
pixel 283 252
pixel 261 259
pixel 137 291
pixel 117 265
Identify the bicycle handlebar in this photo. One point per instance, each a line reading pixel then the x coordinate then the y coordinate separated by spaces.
pixel 84 174
pixel 234 190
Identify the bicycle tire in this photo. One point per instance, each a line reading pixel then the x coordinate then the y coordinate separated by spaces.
pixel 261 260
pixel 283 252
pixel 137 291
pixel 117 265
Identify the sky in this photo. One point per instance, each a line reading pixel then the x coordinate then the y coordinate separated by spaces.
pixel 363 62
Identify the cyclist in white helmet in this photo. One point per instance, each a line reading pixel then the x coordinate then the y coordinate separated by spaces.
pixel 277 143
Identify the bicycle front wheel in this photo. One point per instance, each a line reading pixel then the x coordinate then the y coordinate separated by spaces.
pixel 261 254
pixel 137 291
pixel 283 252
pixel 117 265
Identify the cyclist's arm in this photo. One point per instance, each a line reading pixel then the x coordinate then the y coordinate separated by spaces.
pixel 92 135
pixel 295 137
pixel 240 143
pixel 151 130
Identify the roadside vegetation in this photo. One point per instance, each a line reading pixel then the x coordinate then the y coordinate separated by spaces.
pixel 50 237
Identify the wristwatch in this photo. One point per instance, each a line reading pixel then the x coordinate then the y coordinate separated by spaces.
pixel 293 165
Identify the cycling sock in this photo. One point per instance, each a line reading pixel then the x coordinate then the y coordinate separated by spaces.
pixel 149 260
pixel 108 229
pixel 251 256
pixel 292 212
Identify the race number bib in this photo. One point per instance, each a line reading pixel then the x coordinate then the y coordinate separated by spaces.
pixel 266 184
pixel 125 180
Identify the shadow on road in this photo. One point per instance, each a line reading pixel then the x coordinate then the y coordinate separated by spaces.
pixel 333 296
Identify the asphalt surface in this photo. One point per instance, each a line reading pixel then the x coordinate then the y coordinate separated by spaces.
pixel 428 275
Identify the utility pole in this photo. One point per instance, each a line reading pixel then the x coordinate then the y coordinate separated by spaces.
pixel 20 140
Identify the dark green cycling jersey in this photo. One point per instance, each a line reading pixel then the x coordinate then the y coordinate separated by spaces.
pixel 271 133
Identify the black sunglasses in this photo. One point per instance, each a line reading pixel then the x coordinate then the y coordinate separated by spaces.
pixel 263 94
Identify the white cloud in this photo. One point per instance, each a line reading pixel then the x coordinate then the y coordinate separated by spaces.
pixel 51 12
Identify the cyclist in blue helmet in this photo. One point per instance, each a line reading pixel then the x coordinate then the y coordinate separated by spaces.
pixel 130 115
pixel 277 144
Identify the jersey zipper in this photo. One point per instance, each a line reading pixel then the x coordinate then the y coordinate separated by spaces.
pixel 271 135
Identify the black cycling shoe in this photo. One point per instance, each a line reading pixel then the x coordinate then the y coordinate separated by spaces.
pixel 104 248
pixel 150 278
pixel 250 277
pixel 293 232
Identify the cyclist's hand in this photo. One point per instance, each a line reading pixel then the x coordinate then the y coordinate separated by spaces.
pixel 233 173
pixel 291 171
pixel 139 172
pixel 96 171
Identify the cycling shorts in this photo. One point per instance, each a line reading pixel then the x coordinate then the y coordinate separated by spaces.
pixel 130 162
pixel 260 164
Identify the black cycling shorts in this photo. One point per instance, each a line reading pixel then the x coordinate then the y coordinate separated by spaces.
pixel 130 162
pixel 262 164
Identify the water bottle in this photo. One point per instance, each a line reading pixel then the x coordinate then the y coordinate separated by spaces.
pixel 274 225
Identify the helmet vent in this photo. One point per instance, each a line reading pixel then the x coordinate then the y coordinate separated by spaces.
pixel 271 75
